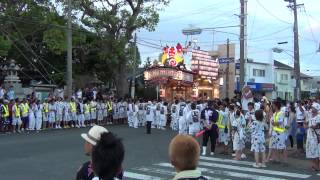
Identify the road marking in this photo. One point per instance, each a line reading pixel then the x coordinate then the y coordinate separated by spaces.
pixel 226 160
pixel 140 176
pixel 227 173
pixel 164 172
pixel 255 170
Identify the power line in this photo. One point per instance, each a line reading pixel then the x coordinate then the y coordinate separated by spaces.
pixel 309 24
pixel 20 51
pixel 271 14
pixel 26 45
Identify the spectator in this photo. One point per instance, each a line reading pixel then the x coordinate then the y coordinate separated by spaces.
pixel 94 134
pixel 91 138
pixel 2 92
pixel 10 93
pixel 184 153
pixel 246 97
pixel 107 157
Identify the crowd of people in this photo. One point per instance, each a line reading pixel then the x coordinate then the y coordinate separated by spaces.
pixel 267 128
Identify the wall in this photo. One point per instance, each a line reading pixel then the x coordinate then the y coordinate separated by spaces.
pixel 283 87
pixel 268 78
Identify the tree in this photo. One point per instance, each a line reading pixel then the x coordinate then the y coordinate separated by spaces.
pixel 115 22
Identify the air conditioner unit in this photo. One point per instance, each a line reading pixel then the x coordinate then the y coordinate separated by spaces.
pixel 251 80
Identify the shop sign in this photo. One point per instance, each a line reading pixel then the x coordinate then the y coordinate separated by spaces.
pixel 168 73
pixel 261 86
pixel 225 60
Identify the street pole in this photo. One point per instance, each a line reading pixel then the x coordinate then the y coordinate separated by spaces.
pixel 243 42
pixel 297 90
pixel 69 52
pixel 296 53
pixel 133 84
pixel 227 69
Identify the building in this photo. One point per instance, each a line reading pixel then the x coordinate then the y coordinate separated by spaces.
pixel 259 76
pixel 227 69
pixel 285 83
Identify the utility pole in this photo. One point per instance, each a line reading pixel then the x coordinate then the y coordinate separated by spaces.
pixel 227 69
pixel 243 41
pixel 69 53
pixel 297 90
pixel 133 83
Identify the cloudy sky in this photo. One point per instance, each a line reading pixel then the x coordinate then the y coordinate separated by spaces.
pixel 269 22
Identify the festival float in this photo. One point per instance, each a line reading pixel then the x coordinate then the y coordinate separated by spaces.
pixel 174 80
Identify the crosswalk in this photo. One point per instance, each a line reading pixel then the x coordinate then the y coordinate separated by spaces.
pixel 214 168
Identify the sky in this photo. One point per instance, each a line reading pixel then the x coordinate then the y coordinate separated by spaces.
pixel 268 22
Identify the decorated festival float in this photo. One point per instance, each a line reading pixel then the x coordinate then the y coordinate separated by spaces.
pixel 175 80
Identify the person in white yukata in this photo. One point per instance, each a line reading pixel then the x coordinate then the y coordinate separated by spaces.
pixel 52 113
pixel 313 137
pixel 38 114
pixel 182 121
pixel 32 119
pixel 193 120
pixel 157 118
pixel 60 106
pixel 135 110
pixel 129 111
pixel 141 113
pixel 258 140
pixel 66 114
pixel 93 112
pixel 163 115
pixel 80 113
pixel 175 116
pixel 99 112
pixel 150 115
pixel 238 126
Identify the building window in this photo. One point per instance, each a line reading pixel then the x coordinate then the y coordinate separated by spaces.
pixel 284 77
pixel 259 72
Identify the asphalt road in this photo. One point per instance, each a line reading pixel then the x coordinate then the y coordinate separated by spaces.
pixel 57 154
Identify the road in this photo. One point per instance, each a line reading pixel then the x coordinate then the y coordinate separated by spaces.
pixel 57 154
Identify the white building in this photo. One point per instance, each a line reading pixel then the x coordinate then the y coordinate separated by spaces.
pixel 259 76
pixel 285 83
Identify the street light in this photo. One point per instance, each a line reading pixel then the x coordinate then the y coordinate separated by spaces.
pixel 318 50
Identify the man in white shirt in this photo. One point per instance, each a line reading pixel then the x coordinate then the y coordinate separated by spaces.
pixel 300 112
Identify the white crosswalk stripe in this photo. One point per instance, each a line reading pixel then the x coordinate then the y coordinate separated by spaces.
pixel 140 176
pixel 218 168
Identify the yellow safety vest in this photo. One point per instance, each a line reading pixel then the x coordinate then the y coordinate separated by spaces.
pixel 46 107
pixel 86 108
pixel 6 111
pixel 16 110
pixel 73 107
pixel 277 128
pixel 220 125
pixel 25 109
pixel 109 106
pixel 92 108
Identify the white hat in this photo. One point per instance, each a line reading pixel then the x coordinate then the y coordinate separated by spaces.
pixel 316 106
pixel 94 134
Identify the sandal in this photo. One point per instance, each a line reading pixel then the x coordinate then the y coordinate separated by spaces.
pixel 314 169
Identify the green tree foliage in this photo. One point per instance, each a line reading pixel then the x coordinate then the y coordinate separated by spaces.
pixel 115 22
pixel 33 32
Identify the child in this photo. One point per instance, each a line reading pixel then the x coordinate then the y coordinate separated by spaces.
pixel 184 152
pixel 300 137
pixel 258 140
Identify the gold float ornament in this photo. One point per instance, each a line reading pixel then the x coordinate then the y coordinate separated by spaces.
pixel 172 56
